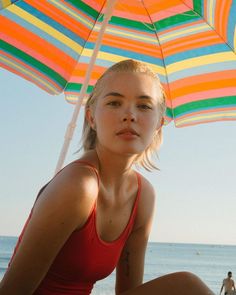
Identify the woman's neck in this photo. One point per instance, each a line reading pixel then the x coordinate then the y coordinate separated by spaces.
pixel 114 169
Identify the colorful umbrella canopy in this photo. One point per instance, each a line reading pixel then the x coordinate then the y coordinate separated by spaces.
pixel 191 44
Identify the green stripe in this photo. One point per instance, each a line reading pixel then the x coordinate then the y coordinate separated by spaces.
pixel 76 87
pixel 127 23
pixel 176 20
pixel 85 8
pixel 169 112
pixel 146 27
pixel 197 4
pixel 13 51
pixel 214 103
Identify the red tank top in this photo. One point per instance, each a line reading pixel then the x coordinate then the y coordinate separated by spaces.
pixel 84 258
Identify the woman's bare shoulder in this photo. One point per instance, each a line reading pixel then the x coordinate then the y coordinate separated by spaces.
pixel 147 191
pixel 146 203
pixel 73 190
pixel 77 175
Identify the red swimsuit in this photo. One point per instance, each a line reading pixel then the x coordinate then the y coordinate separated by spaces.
pixel 85 258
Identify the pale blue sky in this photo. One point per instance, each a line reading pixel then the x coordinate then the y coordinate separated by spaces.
pixel 196 187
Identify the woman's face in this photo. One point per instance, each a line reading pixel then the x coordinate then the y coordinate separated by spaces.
pixel 126 114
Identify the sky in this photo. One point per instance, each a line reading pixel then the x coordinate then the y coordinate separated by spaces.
pixel 195 187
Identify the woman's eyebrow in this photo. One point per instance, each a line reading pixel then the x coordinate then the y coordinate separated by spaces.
pixel 144 96
pixel 117 94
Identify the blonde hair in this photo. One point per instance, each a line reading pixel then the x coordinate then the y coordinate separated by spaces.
pixel 89 135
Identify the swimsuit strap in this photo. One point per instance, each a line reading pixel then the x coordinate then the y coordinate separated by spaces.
pixel 91 166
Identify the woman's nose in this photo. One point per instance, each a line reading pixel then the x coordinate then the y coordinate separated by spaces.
pixel 129 116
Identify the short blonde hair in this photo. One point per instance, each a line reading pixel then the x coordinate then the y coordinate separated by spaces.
pixel 89 135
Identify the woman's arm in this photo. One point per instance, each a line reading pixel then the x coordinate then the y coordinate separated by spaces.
pixel 129 271
pixel 62 207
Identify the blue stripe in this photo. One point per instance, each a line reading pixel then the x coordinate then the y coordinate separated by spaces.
pixel 127 53
pixel 200 70
pixel 232 25
pixel 184 32
pixel 203 51
pixel 44 18
pixel 56 90
pixel 31 28
pixel 205 107
pixel 171 26
pixel 107 64
pixel 201 4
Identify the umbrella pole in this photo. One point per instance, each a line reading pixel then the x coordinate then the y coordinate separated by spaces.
pixel 71 126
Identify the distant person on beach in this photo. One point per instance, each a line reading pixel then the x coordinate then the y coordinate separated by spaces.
pixel 95 215
pixel 228 285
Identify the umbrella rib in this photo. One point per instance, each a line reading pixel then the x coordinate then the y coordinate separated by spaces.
pixel 213 29
pixel 158 40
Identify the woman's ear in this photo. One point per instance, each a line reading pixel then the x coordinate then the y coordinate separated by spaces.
pixel 162 121
pixel 161 124
pixel 90 118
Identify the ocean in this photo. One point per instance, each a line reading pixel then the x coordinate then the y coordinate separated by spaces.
pixel 210 262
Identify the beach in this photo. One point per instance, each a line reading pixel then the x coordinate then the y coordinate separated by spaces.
pixel 210 262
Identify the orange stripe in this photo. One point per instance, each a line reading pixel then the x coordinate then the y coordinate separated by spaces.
pixel 133 45
pixel 155 6
pixel 37 44
pixel 203 86
pixel 132 8
pixel 61 17
pixel 81 69
pixel 184 26
pixel 191 42
pixel 231 74
pixel 42 86
pixel 217 16
pixel 225 17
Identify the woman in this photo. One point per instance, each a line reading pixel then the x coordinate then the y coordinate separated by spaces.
pixel 95 215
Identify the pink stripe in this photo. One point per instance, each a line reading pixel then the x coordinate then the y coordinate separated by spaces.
pixel 80 80
pixel 204 78
pixel 132 16
pixel 203 95
pixel 94 4
pixel 197 122
pixel 220 117
pixel 29 78
pixel 189 3
pixel 210 111
pixel 173 29
pixel 187 41
pixel 162 14
pixel 43 59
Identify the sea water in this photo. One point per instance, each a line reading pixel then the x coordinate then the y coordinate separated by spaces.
pixel 210 262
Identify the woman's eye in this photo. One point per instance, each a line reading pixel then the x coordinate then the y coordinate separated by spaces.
pixel 113 103
pixel 144 107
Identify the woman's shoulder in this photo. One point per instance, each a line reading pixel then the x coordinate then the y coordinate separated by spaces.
pixel 146 205
pixel 147 187
pixel 147 197
pixel 76 181
pixel 83 169
pixel 72 193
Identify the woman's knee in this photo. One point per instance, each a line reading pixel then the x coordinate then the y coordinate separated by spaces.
pixel 191 282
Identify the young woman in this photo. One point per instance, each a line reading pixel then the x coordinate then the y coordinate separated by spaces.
pixel 96 213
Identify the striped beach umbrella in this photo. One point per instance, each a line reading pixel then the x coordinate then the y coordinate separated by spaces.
pixel 66 45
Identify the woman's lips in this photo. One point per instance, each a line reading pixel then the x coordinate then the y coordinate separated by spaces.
pixel 127 133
